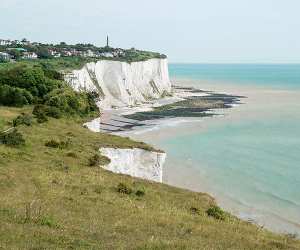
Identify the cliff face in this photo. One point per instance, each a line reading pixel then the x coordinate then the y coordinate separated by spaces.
pixel 122 84
pixel 135 162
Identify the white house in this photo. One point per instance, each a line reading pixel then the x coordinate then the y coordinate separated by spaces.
pixel 5 42
pixel 54 53
pixel 5 56
pixel 107 54
pixel 89 53
pixel 67 53
pixel 29 55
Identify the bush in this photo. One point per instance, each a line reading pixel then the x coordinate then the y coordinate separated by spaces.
pixel 53 112
pixel 28 78
pixel 41 118
pixel 216 212
pixel 71 154
pixel 23 119
pixel 195 210
pixel 42 111
pixel 12 138
pixel 140 192
pixel 39 111
pixel 52 144
pixel 70 102
pixel 95 160
pixel 124 189
pixel 13 96
pixel 58 144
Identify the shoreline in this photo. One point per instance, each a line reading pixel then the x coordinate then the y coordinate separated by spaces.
pixel 155 131
pixel 175 175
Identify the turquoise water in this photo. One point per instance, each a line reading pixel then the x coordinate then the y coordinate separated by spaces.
pixel 284 76
pixel 253 162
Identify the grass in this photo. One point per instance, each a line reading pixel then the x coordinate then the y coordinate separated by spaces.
pixel 50 198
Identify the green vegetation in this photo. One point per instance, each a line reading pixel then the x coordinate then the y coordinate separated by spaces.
pixel 50 198
pixel 11 138
pixel 133 55
pixel 124 189
pixel 41 83
pixel 23 119
pixel 64 63
pixel 216 212
pixel 96 160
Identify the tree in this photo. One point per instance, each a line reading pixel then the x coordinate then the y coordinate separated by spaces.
pixel 16 54
pixel 43 53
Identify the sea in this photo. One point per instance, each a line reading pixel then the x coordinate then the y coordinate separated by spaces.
pixel 247 157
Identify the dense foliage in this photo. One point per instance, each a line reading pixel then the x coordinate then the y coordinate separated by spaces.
pixel 24 84
pixel 42 84
pixel 23 119
pixel 14 96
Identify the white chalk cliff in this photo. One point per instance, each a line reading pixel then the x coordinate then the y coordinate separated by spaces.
pixel 121 84
pixel 135 162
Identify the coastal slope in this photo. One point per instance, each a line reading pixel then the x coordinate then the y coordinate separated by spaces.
pixel 52 198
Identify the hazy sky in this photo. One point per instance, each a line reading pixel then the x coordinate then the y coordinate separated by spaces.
pixel 214 31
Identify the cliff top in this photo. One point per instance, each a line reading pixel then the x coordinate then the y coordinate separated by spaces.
pixel 26 50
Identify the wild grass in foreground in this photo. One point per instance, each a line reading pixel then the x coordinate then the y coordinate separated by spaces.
pixel 54 198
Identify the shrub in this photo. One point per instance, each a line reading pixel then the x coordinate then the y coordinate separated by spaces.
pixel 14 96
pixel 39 111
pixel 216 212
pixel 58 144
pixel 95 160
pixel 70 102
pixel 28 78
pixel 140 192
pixel 195 210
pixel 124 189
pixel 23 119
pixel 42 118
pixel 71 154
pixel 52 144
pixel 12 138
pixel 53 112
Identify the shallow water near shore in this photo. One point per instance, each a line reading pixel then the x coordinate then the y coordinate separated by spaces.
pixel 249 158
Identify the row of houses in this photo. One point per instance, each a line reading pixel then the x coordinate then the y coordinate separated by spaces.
pixel 8 42
pixel 7 56
pixel 63 53
pixel 88 53
pixel 11 46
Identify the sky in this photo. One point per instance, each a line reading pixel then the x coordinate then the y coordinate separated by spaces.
pixel 195 31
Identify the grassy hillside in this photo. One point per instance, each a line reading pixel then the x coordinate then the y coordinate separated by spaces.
pixel 51 198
